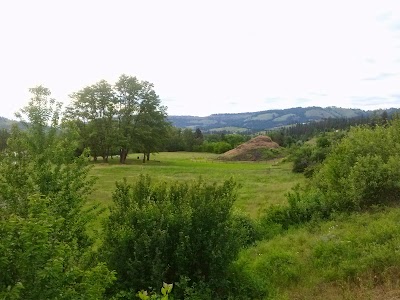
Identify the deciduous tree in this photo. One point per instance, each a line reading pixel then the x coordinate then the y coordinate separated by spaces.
pixel 44 247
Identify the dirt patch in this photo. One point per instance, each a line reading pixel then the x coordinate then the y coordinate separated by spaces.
pixel 258 148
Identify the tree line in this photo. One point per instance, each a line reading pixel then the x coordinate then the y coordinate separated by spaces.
pixel 197 141
pixel 115 120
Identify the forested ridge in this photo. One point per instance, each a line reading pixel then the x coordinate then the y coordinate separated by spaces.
pixel 272 119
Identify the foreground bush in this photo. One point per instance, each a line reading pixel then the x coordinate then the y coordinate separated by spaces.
pixel 364 169
pixel 36 262
pixel 159 233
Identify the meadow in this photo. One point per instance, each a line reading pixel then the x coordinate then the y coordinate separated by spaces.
pixel 261 183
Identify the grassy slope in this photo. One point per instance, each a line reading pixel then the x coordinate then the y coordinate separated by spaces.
pixel 350 257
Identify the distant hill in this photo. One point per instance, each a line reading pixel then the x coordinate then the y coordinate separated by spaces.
pixel 268 119
pixel 6 123
pixel 257 121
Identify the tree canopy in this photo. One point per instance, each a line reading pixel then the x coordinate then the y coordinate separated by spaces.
pixel 118 119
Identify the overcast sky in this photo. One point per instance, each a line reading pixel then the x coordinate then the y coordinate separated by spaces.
pixel 206 57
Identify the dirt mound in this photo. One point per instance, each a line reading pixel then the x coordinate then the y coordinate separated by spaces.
pixel 258 148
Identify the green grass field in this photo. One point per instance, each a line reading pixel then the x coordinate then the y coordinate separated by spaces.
pixel 261 183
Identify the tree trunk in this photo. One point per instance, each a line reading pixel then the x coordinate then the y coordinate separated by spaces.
pixel 144 157
pixel 123 153
pixel 148 156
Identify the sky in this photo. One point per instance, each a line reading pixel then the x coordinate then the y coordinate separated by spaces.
pixel 206 57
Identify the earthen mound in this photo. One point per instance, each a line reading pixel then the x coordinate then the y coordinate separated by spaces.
pixel 259 148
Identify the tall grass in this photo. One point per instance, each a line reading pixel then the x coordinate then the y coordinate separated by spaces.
pixel 349 257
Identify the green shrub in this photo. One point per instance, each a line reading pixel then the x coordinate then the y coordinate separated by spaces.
pixel 37 263
pixel 222 147
pixel 215 147
pixel 307 157
pixel 362 170
pixel 248 230
pixel 302 207
pixel 302 159
pixel 159 233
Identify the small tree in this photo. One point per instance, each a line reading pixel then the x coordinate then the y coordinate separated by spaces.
pixel 44 248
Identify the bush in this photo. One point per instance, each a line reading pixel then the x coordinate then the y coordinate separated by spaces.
pixel 214 147
pixel 302 159
pixel 362 170
pixel 302 208
pixel 248 230
pixel 159 233
pixel 307 158
pixel 222 147
pixel 37 263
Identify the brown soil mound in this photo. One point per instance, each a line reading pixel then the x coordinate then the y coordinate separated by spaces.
pixel 251 150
